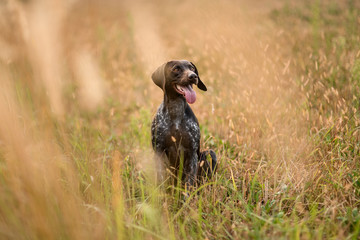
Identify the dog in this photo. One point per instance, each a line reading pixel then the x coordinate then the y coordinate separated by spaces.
pixel 175 132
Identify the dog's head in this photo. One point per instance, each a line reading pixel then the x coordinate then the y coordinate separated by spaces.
pixel 176 78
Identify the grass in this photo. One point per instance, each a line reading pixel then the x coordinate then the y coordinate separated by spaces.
pixel 281 112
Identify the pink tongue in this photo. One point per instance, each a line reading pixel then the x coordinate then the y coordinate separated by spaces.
pixel 190 94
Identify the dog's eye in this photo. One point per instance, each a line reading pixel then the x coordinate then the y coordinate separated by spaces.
pixel 192 68
pixel 176 69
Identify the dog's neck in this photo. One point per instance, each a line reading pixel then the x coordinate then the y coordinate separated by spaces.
pixel 175 107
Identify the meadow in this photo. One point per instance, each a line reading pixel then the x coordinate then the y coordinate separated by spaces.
pixel 281 112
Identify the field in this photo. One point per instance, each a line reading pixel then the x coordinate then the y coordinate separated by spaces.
pixel 281 112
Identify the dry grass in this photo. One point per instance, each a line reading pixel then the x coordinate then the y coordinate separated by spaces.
pixel 281 112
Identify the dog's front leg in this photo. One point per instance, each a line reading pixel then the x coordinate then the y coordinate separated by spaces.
pixel 190 170
pixel 160 163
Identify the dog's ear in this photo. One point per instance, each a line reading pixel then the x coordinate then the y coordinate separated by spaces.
pixel 200 84
pixel 158 76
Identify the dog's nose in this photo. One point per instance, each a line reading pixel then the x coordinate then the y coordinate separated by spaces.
pixel 192 76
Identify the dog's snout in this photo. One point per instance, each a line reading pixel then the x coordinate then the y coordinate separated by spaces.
pixel 192 76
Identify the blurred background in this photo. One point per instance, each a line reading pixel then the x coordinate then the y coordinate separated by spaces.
pixel 281 112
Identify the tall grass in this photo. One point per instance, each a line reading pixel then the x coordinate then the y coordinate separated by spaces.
pixel 281 112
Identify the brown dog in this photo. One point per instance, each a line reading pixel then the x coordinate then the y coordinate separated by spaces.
pixel 175 131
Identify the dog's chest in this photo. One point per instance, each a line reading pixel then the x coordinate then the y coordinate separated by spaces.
pixel 180 131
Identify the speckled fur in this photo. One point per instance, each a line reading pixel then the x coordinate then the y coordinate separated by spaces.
pixel 175 132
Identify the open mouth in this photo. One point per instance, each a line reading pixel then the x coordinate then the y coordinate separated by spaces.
pixel 187 91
